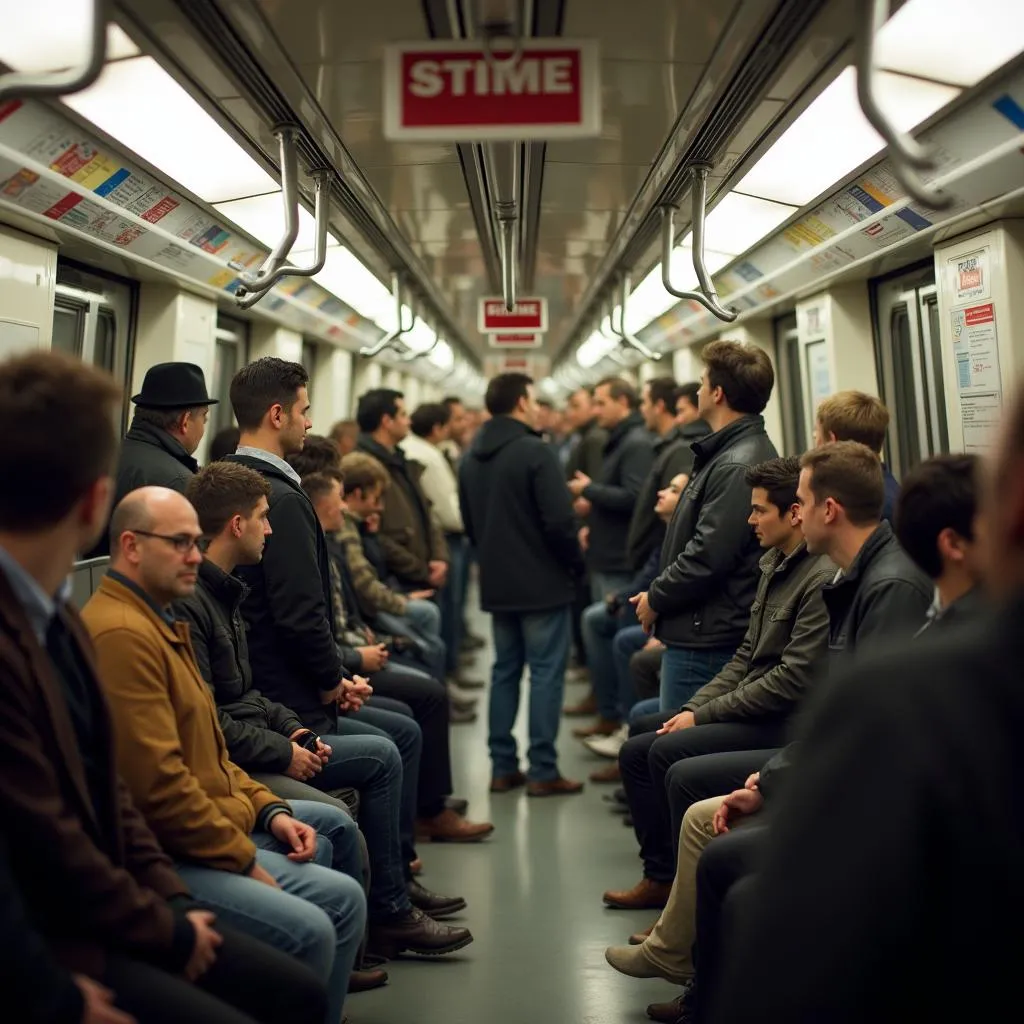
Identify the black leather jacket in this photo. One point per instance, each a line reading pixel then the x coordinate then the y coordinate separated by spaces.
pixel 709 558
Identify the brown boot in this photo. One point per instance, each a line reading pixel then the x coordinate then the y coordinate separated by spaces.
pixel 448 827
pixel 505 783
pixel 602 727
pixel 639 938
pixel 416 867
pixel 645 895
pixel 554 787
pixel 364 981
pixel 587 706
pixel 609 774
pixel 416 933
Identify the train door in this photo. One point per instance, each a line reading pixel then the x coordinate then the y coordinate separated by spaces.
pixel 94 320
pixel 791 390
pixel 909 352
pixel 231 354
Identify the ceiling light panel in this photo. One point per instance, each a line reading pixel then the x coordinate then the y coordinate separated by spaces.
pixel 594 349
pixel 950 41
pixel 263 218
pixel 344 276
pixel 442 355
pixel 832 137
pixel 739 222
pixel 50 35
pixel 135 100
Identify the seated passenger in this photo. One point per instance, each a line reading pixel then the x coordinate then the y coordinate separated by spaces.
pixel 749 702
pixel 883 898
pixel 935 525
pixel 611 636
pixel 855 416
pixel 90 899
pixel 293 651
pixel 240 848
pixel 231 502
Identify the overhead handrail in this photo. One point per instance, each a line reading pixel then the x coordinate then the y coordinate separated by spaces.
pixel 608 312
pixel 907 154
pixel 23 84
pixel 412 355
pixel 492 29
pixel 392 336
pixel 246 297
pixel 508 261
pixel 286 135
pixel 707 296
pixel 621 332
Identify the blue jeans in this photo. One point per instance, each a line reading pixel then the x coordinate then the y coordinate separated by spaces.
pixel 372 765
pixel 425 616
pixel 318 915
pixel 684 670
pixel 400 727
pixel 540 640
pixel 599 631
pixel 451 601
pixel 644 708
pixel 626 643
pixel 431 655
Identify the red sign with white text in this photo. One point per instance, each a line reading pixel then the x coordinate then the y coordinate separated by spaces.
pixel 515 339
pixel 456 91
pixel 979 314
pixel 526 316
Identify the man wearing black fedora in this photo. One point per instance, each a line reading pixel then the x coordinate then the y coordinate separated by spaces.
pixel 169 422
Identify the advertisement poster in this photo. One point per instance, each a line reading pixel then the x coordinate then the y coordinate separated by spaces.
pixel 970 276
pixel 976 348
pixel 819 373
pixel 980 420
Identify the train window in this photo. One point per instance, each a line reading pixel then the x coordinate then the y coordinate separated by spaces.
pixel 791 390
pixel 908 349
pixel 93 320
pixel 231 354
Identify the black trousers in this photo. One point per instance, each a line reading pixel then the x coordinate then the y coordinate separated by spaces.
pixel 709 760
pixel 428 700
pixel 249 982
pixel 723 873
pixel 645 672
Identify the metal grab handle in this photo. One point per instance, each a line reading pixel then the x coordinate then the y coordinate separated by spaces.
pixel 391 337
pixel 247 298
pixel 22 84
pixel 286 135
pixel 908 155
pixel 609 312
pixel 490 30
pixel 411 356
pixel 629 339
pixel 707 296
pixel 508 262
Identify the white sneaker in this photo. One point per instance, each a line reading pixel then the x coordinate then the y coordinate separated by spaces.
pixel 608 746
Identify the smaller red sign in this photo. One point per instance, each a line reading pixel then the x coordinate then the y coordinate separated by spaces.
pixel 979 314
pixel 527 315
pixel 515 339
pixel 59 208
pixel 457 90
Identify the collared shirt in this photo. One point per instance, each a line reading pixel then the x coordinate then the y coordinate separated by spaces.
pixel 136 589
pixel 275 460
pixel 39 606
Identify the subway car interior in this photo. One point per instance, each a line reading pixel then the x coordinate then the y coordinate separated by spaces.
pixel 421 195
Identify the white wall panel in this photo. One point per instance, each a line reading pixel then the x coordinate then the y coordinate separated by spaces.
pixel 28 271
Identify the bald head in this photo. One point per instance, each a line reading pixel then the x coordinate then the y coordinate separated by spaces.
pixel 154 535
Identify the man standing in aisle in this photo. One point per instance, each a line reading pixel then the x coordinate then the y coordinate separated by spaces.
pixel 412 541
pixel 170 418
pixel 517 512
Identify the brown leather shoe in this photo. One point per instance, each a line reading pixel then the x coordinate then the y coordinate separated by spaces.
pixel 416 933
pixel 364 981
pixel 505 783
pixel 602 727
pixel 679 1011
pixel 587 706
pixel 645 895
pixel 609 774
pixel 639 938
pixel 554 787
pixel 448 827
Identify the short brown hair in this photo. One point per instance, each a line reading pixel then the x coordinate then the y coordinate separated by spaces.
pixel 223 490
pixel 318 453
pixel 343 428
pixel 316 485
pixel 262 384
pixel 743 372
pixel 850 474
pixel 59 421
pixel 363 472
pixel 619 387
pixel 854 416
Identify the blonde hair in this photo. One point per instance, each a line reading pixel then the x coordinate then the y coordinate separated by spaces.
pixel 854 416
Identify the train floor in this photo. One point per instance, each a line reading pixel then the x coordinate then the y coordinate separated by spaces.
pixel 534 894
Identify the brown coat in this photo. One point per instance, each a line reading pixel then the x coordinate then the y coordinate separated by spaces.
pixel 169 744
pixel 90 885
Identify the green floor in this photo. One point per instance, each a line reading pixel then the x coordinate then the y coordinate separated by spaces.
pixel 534 893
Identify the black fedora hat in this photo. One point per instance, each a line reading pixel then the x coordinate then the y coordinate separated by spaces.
pixel 173 386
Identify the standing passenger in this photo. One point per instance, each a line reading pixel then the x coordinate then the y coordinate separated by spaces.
pixel 517 513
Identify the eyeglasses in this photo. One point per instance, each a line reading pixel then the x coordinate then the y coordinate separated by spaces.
pixel 181 542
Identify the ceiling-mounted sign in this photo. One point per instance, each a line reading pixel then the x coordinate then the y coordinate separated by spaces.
pixel 528 315
pixel 456 90
pixel 515 339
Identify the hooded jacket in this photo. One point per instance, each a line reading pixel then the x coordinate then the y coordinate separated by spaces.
pixel 627 460
pixel 518 513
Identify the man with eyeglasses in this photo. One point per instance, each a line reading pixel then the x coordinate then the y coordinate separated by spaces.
pixel 263 864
